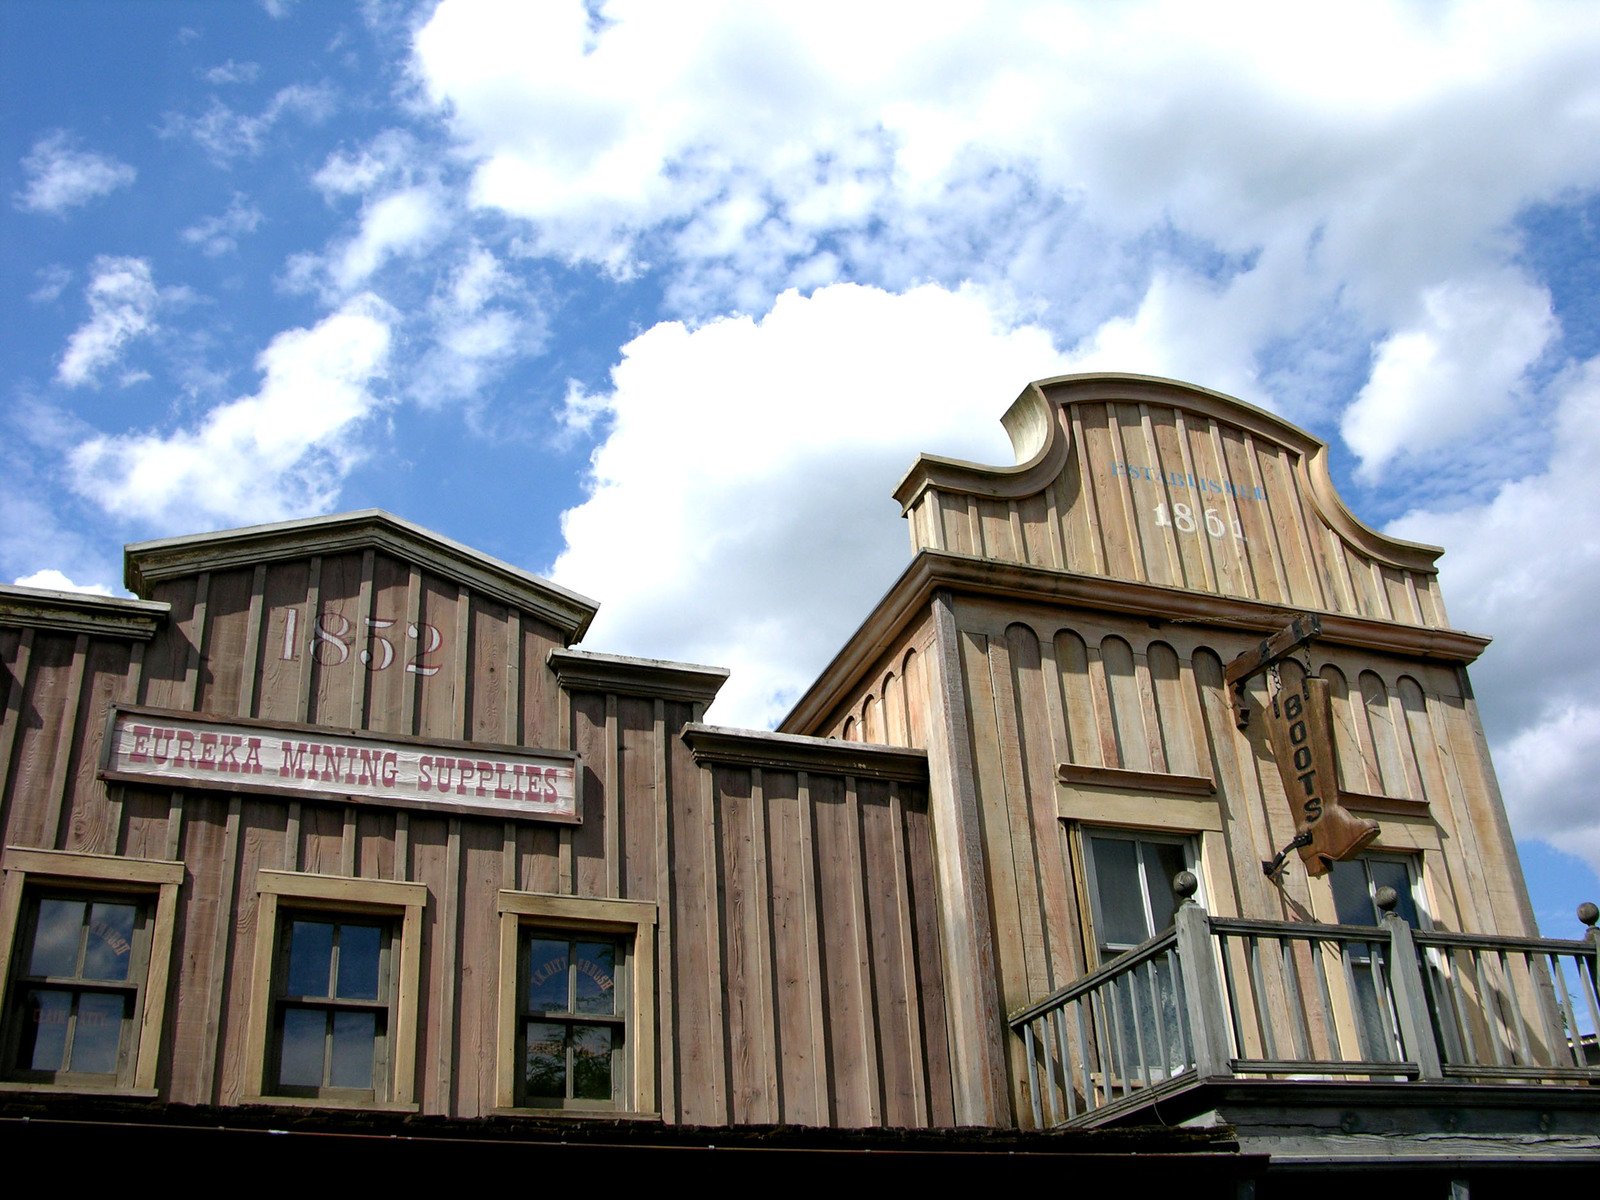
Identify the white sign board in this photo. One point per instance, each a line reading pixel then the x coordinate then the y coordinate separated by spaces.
pixel 181 750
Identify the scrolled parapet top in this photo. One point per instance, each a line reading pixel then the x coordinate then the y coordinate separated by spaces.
pixel 1155 481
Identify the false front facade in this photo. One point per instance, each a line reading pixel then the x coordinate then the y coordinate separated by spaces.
pixel 334 820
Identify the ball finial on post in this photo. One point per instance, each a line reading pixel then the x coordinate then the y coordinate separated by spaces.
pixel 1186 885
pixel 1386 898
pixel 1588 913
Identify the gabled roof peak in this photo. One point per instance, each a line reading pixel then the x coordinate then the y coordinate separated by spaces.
pixel 149 563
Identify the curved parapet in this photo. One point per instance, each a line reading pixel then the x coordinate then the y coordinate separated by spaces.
pixel 1150 480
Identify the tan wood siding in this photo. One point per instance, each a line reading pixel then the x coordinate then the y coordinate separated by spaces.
pixel 1153 702
pixel 1171 489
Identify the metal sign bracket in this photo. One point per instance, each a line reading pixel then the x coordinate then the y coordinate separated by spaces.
pixel 1279 646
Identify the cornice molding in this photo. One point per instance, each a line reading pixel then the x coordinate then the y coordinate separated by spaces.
pixel 970 576
pixel 788 752
pixel 650 677
pixel 81 612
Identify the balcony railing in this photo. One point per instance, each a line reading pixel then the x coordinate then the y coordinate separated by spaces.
pixel 1224 998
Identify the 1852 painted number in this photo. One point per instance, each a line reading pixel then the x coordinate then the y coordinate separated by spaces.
pixel 332 640
pixel 1184 521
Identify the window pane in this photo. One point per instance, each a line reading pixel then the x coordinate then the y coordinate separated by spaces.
pixel 591 1062
pixel 1389 873
pixel 545 1067
pixel 300 1060
pixel 1162 861
pixel 597 989
pixel 1116 878
pixel 55 941
pixel 310 958
pixel 1352 899
pixel 355 1039
pixel 110 944
pixel 359 947
pixel 98 1033
pixel 44 1029
pixel 547 975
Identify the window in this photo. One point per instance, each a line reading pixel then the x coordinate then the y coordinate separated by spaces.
pixel 577 1015
pixel 332 1006
pixel 85 942
pixel 333 1010
pixel 1131 900
pixel 572 1027
pixel 1355 883
pixel 76 990
pixel 1130 880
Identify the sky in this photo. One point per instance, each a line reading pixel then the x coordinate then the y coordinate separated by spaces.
pixel 660 300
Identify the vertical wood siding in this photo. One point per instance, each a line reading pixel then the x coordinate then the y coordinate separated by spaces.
pixel 1098 692
pixel 1268 539
pixel 798 978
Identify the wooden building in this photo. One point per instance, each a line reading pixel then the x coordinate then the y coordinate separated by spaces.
pixel 332 829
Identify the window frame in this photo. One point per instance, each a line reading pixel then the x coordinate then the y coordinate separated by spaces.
pixel 1410 861
pixel 153 883
pixel 1188 843
pixel 631 924
pixel 400 905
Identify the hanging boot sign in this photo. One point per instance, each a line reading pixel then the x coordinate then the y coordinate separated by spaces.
pixel 1300 725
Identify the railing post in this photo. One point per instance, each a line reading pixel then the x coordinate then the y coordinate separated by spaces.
pixel 1406 987
pixel 1202 990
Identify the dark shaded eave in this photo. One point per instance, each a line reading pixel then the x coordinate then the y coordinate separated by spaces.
pixel 788 752
pixel 82 612
pixel 910 596
pixel 1205 1162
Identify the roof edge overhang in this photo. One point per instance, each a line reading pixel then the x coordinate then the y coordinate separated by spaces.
pixel 149 563
pixel 968 575
pixel 653 678
pixel 82 612
pixel 1042 446
pixel 791 752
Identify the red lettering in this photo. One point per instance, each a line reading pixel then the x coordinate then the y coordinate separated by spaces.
pixel 294 759
pixel 141 744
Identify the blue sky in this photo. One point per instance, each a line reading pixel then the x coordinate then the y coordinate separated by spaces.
pixel 660 300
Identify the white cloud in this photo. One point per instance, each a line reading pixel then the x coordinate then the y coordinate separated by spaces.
pixel 1381 148
pixel 60 176
pixel 232 72
pixel 740 510
pixel 389 157
pixel 122 306
pixel 481 321
pixel 53 280
pixel 219 235
pixel 55 581
pixel 1525 567
pixel 1546 772
pixel 226 134
pixel 282 452
pixel 1459 367
pixel 401 223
